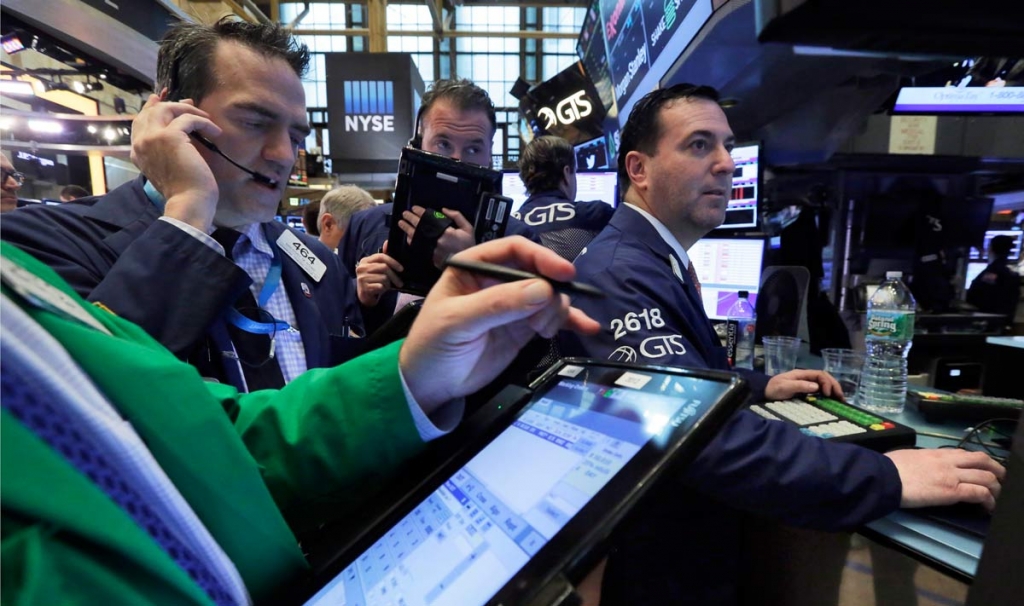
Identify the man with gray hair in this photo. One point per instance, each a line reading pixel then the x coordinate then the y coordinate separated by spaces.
pixel 336 208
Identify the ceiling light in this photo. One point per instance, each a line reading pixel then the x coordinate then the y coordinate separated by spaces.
pixel 78 86
pixel 45 126
pixel 6 122
pixel 91 129
pixel 109 134
pixel 16 87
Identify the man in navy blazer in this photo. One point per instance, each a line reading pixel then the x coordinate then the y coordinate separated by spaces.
pixel 181 249
pixel 675 173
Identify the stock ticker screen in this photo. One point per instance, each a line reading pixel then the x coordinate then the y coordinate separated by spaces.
pixel 622 41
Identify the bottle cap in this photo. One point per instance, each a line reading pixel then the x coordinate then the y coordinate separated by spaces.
pixel 743 294
pixel 889 275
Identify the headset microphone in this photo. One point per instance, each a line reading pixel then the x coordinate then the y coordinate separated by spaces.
pixel 258 177
pixel 417 139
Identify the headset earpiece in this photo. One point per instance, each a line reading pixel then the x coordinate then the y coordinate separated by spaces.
pixel 417 139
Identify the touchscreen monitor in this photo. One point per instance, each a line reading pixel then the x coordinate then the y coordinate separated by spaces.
pixel 562 468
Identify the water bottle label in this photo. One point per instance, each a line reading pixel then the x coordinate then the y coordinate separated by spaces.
pixel 892 325
pixel 731 337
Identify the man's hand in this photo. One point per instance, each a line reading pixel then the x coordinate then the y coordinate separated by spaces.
pixel 471 327
pixel 163 151
pixel 946 476
pixel 794 382
pixel 376 275
pixel 453 240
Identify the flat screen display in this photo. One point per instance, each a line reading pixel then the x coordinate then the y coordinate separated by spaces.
pixel 592 155
pixel 973 271
pixel 725 266
pixel 741 212
pixel 483 524
pixel 1016 235
pixel 589 186
pixel 957 100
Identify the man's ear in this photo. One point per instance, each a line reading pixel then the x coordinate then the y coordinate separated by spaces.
pixel 636 169
pixel 326 221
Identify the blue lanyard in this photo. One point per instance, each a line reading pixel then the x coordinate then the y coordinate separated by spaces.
pixel 269 286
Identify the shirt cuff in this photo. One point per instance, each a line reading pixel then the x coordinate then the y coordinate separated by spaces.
pixel 195 233
pixel 441 422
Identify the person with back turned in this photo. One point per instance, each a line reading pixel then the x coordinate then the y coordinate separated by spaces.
pixel 996 289
pixel 548 169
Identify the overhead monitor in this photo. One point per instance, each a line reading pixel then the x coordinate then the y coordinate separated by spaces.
pixel 1015 234
pixel 592 155
pixel 741 212
pixel 724 267
pixel 589 186
pixel 960 100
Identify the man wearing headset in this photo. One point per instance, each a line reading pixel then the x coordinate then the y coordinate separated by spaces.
pixel 191 251
pixel 456 120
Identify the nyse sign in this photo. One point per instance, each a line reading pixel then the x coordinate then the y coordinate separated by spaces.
pixel 568 110
pixel 370 124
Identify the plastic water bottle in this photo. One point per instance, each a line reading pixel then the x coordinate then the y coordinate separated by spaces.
pixel 741 326
pixel 890 332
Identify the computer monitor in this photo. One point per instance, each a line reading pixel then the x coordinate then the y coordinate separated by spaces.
pixel 592 155
pixel 589 186
pixel 726 266
pixel 513 187
pixel 741 213
pixel 599 185
pixel 973 270
pixel 1015 234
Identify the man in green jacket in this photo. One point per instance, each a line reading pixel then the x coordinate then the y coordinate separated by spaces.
pixel 238 473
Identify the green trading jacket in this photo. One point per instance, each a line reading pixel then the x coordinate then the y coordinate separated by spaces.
pixel 250 466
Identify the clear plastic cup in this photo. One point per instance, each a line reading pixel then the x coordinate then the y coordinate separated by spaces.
pixel 780 354
pixel 845 365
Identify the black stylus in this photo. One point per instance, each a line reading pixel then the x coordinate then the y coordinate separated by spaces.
pixel 259 177
pixel 507 274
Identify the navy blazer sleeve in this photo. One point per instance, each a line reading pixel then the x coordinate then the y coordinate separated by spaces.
pixel 149 272
pixel 765 467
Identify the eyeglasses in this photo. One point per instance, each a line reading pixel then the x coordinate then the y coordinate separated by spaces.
pixel 19 178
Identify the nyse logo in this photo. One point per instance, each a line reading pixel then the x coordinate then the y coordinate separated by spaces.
pixel 369 106
pixel 568 110
pixel 562 211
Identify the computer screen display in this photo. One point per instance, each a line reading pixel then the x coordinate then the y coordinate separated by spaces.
pixel 592 155
pixel 973 270
pixel 1016 235
pixel 960 100
pixel 741 212
pixel 724 267
pixel 589 186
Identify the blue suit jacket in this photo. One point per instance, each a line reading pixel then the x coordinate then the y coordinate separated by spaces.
pixel 684 544
pixel 112 250
pixel 564 226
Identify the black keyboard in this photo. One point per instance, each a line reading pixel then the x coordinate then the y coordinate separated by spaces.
pixel 937 405
pixel 834 420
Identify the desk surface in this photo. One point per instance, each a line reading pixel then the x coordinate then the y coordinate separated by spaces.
pixel 950 550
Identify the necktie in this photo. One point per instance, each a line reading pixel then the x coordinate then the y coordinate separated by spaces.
pixel 260 370
pixel 51 424
pixel 693 276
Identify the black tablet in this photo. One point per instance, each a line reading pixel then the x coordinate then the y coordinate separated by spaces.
pixel 542 481
pixel 435 182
